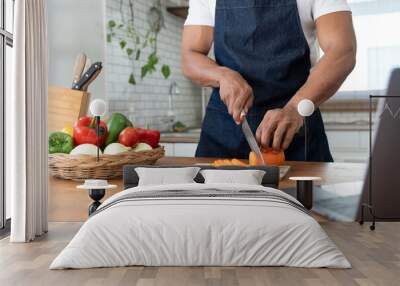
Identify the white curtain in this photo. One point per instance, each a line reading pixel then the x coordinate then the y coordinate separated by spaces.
pixel 27 122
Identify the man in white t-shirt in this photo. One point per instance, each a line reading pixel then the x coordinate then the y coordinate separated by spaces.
pixel 266 62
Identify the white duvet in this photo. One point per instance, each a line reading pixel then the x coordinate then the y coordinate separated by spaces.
pixel 200 232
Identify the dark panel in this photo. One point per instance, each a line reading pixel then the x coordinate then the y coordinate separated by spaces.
pixel 384 168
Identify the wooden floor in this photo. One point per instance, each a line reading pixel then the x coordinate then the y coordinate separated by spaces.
pixel 375 257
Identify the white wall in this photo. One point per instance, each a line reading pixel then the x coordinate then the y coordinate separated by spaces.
pixel 75 26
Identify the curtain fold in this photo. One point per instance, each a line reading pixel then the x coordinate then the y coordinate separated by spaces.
pixel 27 123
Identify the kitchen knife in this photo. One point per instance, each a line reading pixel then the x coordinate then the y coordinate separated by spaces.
pixel 251 139
pixel 79 67
pixel 85 70
pixel 88 77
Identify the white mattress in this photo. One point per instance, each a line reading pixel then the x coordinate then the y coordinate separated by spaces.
pixel 200 232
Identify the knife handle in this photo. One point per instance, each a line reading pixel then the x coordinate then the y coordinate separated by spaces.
pixel 95 75
pixel 79 66
pixel 87 77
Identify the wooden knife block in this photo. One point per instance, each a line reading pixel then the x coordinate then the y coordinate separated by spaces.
pixel 65 107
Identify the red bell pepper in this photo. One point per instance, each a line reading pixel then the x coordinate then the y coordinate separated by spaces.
pixel 85 131
pixel 151 137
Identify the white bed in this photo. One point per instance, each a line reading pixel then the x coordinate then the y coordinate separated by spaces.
pixel 209 230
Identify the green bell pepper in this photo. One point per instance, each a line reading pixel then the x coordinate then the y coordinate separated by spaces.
pixel 115 125
pixel 60 142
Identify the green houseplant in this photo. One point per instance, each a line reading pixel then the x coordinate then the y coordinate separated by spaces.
pixel 134 42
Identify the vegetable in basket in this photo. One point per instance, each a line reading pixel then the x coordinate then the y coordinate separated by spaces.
pixel 115 149
pixel 68 129
pixel 128 137
pixel 85 149
pixel 85 131
pixel 116 124
pixel 151 137
pixel 60 142
pixel 142 147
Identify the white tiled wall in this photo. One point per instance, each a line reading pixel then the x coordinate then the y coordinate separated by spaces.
pixel 345 117
pixel 348 145
pixel 147 102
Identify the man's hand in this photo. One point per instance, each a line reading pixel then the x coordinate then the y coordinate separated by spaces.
pixel 279 127
pixel 236 93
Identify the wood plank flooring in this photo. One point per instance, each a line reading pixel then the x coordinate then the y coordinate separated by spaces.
pixel 375 257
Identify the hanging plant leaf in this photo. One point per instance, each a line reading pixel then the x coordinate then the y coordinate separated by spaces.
pixel 153 59
pixel 129 52
pixel 145 70
pixel 132 79
pixel 138 52
pixel 109 38
pixel 111 24
pixel 122 44
pixel 155 18
pixel 166 71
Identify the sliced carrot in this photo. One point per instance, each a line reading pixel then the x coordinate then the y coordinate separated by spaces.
pixel 227 162
pixel 237 162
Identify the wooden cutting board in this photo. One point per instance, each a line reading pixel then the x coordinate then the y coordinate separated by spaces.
pixel 65 106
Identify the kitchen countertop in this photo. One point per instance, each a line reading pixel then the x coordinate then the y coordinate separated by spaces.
pixel 180 138
pixel 191 136
pixel 67 204
pixel 347 126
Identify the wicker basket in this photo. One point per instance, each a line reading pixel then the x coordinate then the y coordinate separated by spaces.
pixel 83 167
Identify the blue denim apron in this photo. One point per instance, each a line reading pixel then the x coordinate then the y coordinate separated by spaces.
pixel 262 40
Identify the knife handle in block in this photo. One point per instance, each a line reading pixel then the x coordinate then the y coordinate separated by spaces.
pixel 79 66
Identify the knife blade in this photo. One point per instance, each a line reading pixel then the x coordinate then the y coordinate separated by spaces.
pixel 248 134
pixel 79 66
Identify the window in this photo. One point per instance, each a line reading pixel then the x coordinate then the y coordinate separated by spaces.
pixel 6 44
pixel 376 23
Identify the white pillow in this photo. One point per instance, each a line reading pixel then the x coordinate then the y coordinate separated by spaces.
pixel 245 177
pixel 166 176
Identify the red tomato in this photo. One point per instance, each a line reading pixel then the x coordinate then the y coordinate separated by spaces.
pixel 128 137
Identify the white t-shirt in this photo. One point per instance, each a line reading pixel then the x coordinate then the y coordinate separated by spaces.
pixel 202 12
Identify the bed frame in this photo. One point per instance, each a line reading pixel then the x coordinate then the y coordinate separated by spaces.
pixel 271 178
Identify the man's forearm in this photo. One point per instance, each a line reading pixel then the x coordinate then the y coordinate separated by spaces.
pixel 201 69
pixel 337 39
pixel 326 78
pixel 234 91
